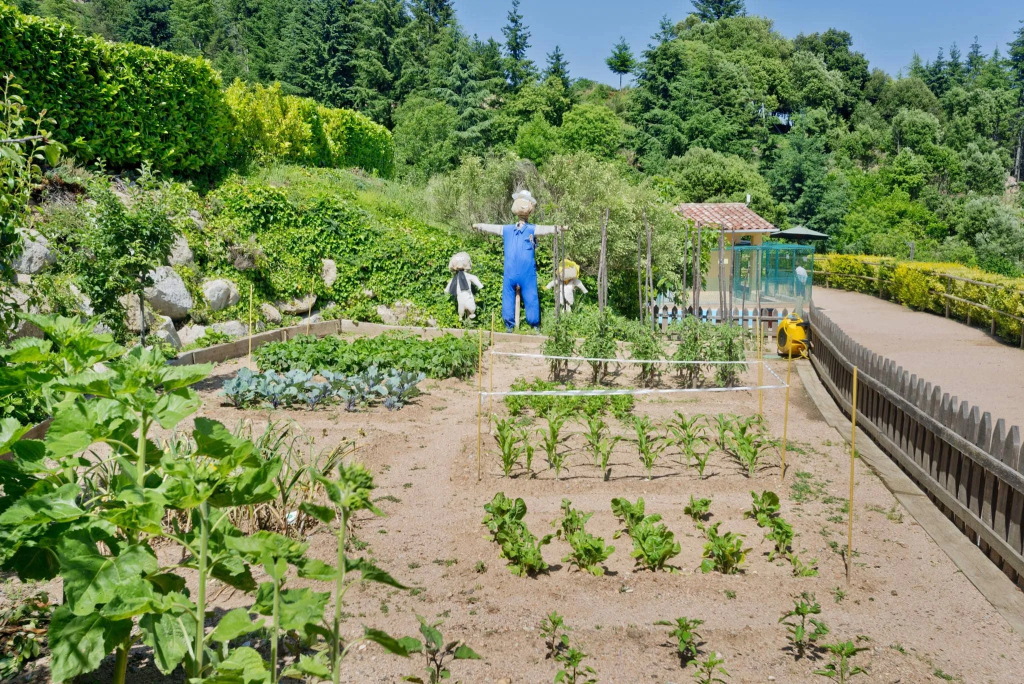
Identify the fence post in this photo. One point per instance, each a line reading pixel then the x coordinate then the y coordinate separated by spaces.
pixel 853 456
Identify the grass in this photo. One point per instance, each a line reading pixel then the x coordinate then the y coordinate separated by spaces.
pixel 806 488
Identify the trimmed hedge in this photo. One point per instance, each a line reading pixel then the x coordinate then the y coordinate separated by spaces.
pixel 127 104
pixel 116 101
pixel 915 283
pixel 272 126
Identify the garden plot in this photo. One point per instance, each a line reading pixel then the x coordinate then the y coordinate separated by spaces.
pixel 918 618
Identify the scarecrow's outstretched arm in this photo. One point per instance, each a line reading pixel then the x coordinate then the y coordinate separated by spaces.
pixel 489 228
pixel 546 230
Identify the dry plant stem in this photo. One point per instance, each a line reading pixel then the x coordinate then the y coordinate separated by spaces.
pixel 853 456
pixel 479 408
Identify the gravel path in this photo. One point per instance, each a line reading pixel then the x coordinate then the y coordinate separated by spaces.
pixel 964 361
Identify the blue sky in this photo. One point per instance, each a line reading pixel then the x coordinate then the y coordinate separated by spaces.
pixel 888 32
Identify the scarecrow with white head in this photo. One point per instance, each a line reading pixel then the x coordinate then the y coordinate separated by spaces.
pixel 520 242
pixel 569 281
pixel 462 283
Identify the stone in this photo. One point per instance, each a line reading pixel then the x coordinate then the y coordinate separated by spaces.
pixel 101 329
pixel 164 329
pixel 315 318
pixel 133 319
pixel 387 316
pixel 271 314
pixel 329 272
pixel 190 333
pixel 233 328
pixel 197 219
pixel 244 256
pixel 35 254
pixel 181 253
pixel 24 303
pixel 220 294
pixel 369 294
pixel 84 303
pixel 168 295
pixel 297 306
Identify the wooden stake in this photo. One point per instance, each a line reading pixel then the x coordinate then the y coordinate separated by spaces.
pixel 760 369
pixel 853 457
pixel 249 361
pixel 785 420
pixel 479 406
pixel 490 384
pixel 639 276
pixel 309 312
pixel 650 276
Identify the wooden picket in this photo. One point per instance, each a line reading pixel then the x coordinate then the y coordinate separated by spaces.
pixel 665 316
pixel 971 467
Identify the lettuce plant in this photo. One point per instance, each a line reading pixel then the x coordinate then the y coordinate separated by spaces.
pixel 504 519
pixel 723 552
pixel 697 509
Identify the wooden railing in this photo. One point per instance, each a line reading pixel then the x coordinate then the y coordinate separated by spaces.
pixel 968 465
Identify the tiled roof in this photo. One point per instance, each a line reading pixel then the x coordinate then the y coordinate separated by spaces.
pixel 730 216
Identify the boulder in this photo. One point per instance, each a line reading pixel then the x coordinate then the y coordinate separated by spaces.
pixel 181 253
pixel 297 306
pixel 329 272
pixel 233 328
pixel 271 314
pixel 164 329
pixel 168 295
pixel 197 219
pixel 133 319
pixel 84 303
pixel 35 254
pixel 190 333
pixel 387 316
pixel 220 294
pixel 245 256
pixel 24 303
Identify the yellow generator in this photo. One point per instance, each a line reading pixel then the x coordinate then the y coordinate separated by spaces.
pixel 793 336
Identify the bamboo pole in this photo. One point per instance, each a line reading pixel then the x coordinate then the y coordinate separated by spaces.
pixel 650 275
pixel 785 420
pixel 309 311
pixel 853 457
pixel 760 369
pixel 479 406
pixel 639 276
pixel 249 360
pixel 490 384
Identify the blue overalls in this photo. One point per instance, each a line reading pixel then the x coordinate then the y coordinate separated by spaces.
pixel 521 271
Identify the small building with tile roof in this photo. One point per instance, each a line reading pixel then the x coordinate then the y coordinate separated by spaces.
pixel 735 219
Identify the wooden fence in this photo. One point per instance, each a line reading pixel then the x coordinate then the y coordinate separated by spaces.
pixel 970 467
pixel 665 316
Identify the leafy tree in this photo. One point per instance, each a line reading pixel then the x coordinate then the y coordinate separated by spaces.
pixel 621 61
pixel 558 67
pixel 666 31
pixel 519 70
pixel 713 10
pixel 591 128
pixel 537 140
pixel 425 137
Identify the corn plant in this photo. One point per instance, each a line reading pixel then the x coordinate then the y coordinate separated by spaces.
pixel 439 653
pixel 519 546
pixel 600 443
pixel 687 435
pixel 507 435
pixel 765 507
pixel 684 631
pixel 528 449
pixel 801 638
pixel 648 443
pixel 551 441
pixel 724 425
pixel 709 669
pixel 722 552
pixel 840 669
pixel 697 509
pixel 573 670
pixel 751 449
pixel 555 633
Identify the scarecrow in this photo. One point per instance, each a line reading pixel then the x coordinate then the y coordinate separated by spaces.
pixel 462 283
pixel 520 278
pixel 569 275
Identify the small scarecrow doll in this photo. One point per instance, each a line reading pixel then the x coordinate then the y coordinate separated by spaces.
pixel 569 275
pixel 462 283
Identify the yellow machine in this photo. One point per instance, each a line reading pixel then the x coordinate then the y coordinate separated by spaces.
pixel 793 336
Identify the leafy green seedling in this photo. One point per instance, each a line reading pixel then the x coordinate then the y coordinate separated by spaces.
pixel 687 434
pixel 724 553
pixel 519 546
pixel 686 636
pixel 698 509
pixel 630 515
pixel 555 633
pixel 599 443
pixel 709 669
pixel 801 569
pixel 588 551
pixel 551 441
pixel 801 637
pixel 751 450
pixel 724 426
pixel 648 443
pixel 573 670
pixel 653 544
pixel 840 669
pixel 765 507
pixel 781 533
pixel 439 655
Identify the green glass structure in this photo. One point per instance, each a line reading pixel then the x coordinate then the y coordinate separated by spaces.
pixel 776 275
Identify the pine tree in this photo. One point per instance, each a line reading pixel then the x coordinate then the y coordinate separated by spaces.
pixel 1015 58
pixel 376 61
pixel 621 61
pixel 916 68
pixel 955 66
pixel 320 42
pixel 146 22
pixel 416 41
pixel 713 10
pixel 558 67
pixel 666 31
pixel 938 74
pixel 193 23
pixel 975 60
pixel 519 70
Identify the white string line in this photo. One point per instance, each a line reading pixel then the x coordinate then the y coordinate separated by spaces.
pixel 671 362
pixel 612 393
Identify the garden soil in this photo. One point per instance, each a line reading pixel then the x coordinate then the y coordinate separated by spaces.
pixel 917 616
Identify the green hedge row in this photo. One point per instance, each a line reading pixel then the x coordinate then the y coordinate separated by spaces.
pixel 920 285
pixel 127 104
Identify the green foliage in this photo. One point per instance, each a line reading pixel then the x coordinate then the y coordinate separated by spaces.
pixel 653 544
pixel 687 435
pixel 621 61
pixel 684 631
pixel 645 345
pixel 840 669
pixel 23 626
pixel 522 550
pixel 600 443
pixel 802 638
pixel 620 405
pixel 551 442
pixel 440 357
pixel 439 653
pixel 764 508
pixel 709 669
pixel 630 515
pixel 723 552
pixel 573 670
pixel 555 633
pixel 588 551
pixel 698 509
pixel 560 343
pixel 591 128
pixel 649 444
pixel 507 433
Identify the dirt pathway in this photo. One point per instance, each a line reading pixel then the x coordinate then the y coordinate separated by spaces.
pixel 964 361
